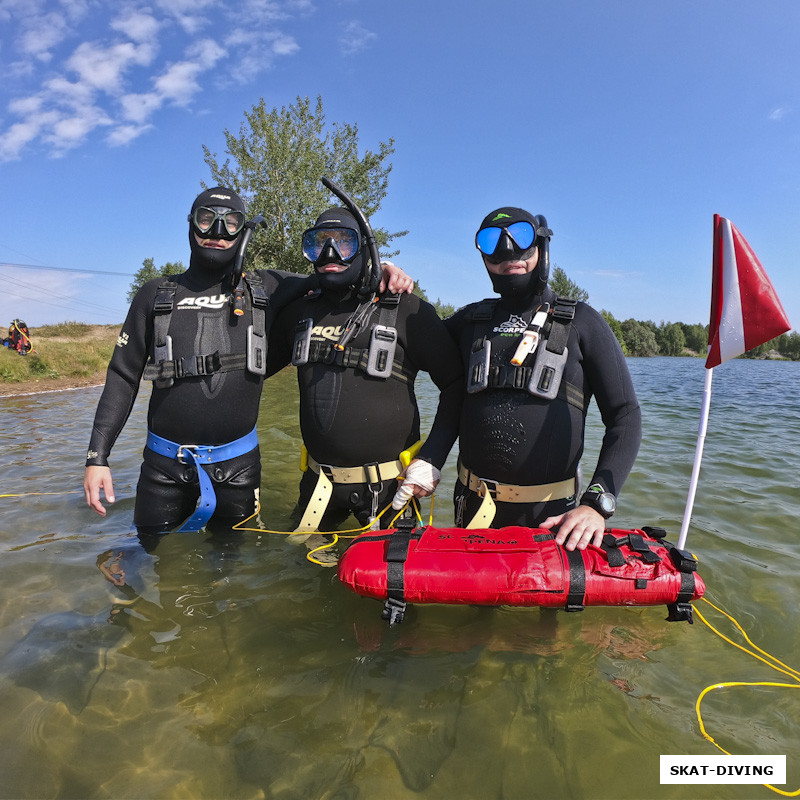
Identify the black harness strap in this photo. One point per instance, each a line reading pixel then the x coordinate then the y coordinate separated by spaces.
pixel 162 342
pixel 377 360
pixel 483 375
pixel 563 314
pixel 353 357
pixel 163 369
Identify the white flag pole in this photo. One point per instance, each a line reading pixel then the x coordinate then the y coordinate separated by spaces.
pixel 698 457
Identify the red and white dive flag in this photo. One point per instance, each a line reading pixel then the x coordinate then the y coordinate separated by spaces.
pixel 745 311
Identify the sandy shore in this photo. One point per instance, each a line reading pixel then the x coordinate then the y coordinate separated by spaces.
pixel 50 385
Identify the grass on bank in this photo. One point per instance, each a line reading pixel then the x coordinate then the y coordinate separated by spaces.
pixel 65 350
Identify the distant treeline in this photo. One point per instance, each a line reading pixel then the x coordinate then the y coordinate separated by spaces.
pixel 645 338
pixel 640 338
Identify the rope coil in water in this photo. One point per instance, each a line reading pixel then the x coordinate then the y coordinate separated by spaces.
pixel 766 658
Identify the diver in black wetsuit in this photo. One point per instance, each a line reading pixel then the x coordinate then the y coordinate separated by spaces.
pixel 208 366
pixel 358 410
pixel 533 363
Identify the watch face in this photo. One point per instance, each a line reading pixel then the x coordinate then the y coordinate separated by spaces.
pixel 606 502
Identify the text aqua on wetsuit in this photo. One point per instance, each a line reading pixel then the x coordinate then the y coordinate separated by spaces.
pixel 164 370
pixel 377 360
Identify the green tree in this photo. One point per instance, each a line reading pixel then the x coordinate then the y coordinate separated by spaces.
pixel 616 329
pixel 670 339
pixel 444 310
pixel 563 286
pixel 148 271
pixel 789 345
pixel 275 165
pixel 640 338
pixel 696 337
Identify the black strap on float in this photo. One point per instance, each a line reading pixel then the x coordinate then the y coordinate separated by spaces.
pixel 396 556
pixel 577 580
pixel 577 574
pixel 681 610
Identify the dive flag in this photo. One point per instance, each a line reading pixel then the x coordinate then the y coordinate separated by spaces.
pixel 745 311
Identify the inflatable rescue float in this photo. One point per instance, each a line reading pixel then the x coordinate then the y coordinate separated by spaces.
pixel 519 567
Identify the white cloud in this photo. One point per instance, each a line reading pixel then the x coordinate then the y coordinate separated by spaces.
pixel 778 113
pixel 104 67
pixel 17 136
pixel 124 134
pixel 41 35
pixel 137 108
pixel 113 78
pixel 355 38
pixel 194 15
pixel 138 25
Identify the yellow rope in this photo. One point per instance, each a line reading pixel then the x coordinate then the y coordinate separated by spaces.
pixel 767 659
pixel 347 534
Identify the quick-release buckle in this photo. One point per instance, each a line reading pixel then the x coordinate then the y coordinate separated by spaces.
pixel 680 612
pixel 181 458
pixel 393 611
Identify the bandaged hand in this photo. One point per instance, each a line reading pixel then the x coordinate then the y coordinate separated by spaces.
pixel 420 480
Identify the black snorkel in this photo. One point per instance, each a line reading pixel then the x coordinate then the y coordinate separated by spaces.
pixel 237 279
pixel 371 274
pixel 543 234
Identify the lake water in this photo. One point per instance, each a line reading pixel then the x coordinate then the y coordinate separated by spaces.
pixel 241 670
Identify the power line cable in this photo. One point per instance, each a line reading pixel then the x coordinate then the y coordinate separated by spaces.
pixel 68 269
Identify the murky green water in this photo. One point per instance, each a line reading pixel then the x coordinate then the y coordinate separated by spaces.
pixel 242 671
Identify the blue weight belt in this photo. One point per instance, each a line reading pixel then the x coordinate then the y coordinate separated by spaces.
pixel 202 454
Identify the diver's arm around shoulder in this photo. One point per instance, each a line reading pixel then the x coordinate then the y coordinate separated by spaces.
pixel 433 350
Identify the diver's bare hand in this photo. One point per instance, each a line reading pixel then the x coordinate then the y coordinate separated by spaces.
pixel 395 279
pixel 578 528
pixel 95 480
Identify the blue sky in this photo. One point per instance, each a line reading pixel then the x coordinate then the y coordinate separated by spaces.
pixel 628 124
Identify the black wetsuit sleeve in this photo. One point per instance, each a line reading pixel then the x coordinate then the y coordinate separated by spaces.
pixel 284 287
pixel 281 338
pixel 607 376
pixel 433 350
pixel 123 376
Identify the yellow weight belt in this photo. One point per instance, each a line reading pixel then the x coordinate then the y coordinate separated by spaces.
pixel 328 476
pixel 492 491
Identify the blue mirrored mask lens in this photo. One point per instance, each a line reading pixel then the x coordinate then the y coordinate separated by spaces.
pixel 522 233
pixel 486 240
pixel 344 241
